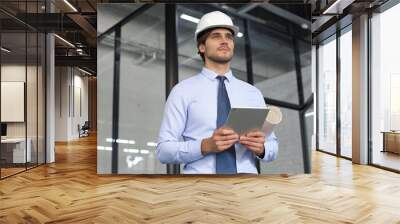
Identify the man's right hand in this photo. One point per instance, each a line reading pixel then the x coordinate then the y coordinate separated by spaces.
pixel 221 140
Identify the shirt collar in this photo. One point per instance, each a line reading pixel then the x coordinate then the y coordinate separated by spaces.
pixel 212 75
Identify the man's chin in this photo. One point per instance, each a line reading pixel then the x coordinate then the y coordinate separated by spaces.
pixel 220 60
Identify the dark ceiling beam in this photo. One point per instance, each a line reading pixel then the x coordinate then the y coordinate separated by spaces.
pixel 56 22
pixel 236 13
pixel 91 14
pixel 63 7
pixel 287 15
pixel 233 11
pixel 125 20
pixel 91 5
pixel 82 61
pixel 87 51
pixel 49 22
pixel 247 8
pixel 337 7
pixel 84 24
pixel 16 18
pixel 80 18
pixel 86 27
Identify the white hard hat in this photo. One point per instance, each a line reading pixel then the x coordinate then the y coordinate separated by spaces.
pixel 213 20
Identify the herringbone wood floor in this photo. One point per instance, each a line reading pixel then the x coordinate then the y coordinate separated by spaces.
pixel 70 191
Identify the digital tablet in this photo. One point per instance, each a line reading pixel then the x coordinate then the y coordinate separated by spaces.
pixel 243 120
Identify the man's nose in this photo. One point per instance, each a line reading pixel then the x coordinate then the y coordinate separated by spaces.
pixel 224 41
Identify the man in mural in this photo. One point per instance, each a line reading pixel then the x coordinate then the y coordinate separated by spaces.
pixel 191 132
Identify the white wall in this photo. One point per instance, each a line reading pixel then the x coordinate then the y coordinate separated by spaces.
pixel 12 73
pixel 68 82
pixel 80 82
pixel 15 72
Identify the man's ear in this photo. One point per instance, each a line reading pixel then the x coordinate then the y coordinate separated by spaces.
pixel 202 48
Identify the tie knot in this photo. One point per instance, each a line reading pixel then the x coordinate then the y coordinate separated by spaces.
pixel 221 78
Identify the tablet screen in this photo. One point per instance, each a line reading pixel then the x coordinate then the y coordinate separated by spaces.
pixel 243 120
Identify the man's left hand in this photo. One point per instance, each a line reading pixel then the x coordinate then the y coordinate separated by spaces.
pixel 254 141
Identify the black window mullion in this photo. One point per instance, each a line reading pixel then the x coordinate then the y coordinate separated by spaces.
pixel 37 98
pixel 44 71
pixel 26 87
pixel 171 61
pixel 0 94
pixel 248 53
pixel 338 72
pixel 37 90
pixel 369 77
pixel 73 91
pixel 316 97
pixel 297 64
pixel 115 101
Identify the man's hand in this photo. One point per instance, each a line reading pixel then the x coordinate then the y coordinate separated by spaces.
pixel 221 140
pixel 254 141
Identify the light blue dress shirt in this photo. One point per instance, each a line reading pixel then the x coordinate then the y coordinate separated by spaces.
pixel 190 116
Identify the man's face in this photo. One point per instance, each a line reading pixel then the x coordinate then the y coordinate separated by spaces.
pixel 218 46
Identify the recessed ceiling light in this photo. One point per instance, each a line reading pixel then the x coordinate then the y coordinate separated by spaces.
pixel 304 26
pixel 70 5
pixel 64 40
pixel 86 72
pixel 190 18
pixel 336 6
pixel 5 50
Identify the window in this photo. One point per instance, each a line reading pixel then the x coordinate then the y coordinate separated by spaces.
pixel 346 92
pixel 327 95
pixel 385 88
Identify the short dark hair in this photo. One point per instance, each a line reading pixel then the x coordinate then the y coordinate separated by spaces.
pixel 202 37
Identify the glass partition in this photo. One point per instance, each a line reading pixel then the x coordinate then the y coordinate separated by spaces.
pixel 15 151
pixel 290 155
pixel 22 91
pixel 142 92
pixel 105 59
pixel 32 98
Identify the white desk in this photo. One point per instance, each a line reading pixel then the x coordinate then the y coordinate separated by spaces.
pixel 19 149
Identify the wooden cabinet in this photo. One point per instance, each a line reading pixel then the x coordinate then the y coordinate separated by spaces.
pixel 391 142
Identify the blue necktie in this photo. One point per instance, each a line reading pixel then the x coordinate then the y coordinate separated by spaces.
pixel 226 160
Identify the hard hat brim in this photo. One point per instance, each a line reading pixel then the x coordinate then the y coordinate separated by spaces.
pixel 234 28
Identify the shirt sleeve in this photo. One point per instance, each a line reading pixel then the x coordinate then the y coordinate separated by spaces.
pixel 171 148
pixel 271 148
